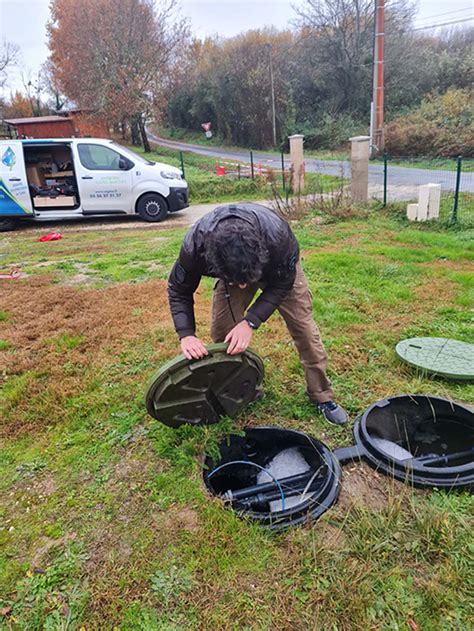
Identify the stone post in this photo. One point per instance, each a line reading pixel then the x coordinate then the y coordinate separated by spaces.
pixel 360 168
pixel 297 162
pixel 412 212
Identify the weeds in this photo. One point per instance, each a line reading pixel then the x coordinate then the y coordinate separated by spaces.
pixel 168 586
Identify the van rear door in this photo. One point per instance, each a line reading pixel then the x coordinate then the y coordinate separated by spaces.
pixel 15 199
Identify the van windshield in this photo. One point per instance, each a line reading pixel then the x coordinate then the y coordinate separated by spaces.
pixel 131 154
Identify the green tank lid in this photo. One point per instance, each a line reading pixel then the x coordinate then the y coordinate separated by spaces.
pixel 199 391
pixel 439 356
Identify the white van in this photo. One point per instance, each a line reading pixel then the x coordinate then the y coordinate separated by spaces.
pixel 45 179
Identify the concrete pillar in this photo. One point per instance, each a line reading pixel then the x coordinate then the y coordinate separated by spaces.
pixel 412 212
pixel 360 168
pixel 435 201
pixel 297 162
pixel 429 199
pixel 423 201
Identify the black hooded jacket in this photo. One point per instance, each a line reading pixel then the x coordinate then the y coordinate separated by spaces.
pixel 278 275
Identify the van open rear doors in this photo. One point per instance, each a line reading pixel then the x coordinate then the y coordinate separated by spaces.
pixel 15 200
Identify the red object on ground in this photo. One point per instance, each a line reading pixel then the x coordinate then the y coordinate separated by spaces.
pixel 52 236
pixel 220 170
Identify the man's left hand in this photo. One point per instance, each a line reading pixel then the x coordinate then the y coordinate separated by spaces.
pixel 239 338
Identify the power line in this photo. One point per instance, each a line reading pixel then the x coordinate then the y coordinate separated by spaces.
pixel 421 28
pixel 438 15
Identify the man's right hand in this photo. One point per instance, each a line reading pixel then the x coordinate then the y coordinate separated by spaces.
pixel 193 348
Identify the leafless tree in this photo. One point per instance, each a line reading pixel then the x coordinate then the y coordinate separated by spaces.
pixel 9 54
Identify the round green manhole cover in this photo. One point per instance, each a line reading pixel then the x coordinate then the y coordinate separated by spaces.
pixel 199 391
pixel 439 356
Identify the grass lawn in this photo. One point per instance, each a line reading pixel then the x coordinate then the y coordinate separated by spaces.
pixel 105 523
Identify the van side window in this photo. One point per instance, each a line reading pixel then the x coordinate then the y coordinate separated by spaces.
pixel 98 157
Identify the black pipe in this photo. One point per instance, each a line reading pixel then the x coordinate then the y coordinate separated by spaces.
pixel 290 482
pixel 265 498
pixel 430 459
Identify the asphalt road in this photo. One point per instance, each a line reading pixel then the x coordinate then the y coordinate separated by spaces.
pixel 398 177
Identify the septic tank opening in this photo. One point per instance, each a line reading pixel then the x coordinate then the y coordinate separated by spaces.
pixel 427 440
pixel 274 476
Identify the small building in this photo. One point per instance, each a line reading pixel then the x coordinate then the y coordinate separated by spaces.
pixel 41 127
pixel 78 123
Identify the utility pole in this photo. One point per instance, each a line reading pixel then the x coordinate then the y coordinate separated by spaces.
pixel 376 114
pixel 273 97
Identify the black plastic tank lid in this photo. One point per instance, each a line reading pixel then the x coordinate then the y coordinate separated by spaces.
pixel 200 391
pixel 276 477
pixel 422 439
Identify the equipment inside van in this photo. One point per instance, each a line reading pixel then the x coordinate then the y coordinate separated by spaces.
pixel 51 177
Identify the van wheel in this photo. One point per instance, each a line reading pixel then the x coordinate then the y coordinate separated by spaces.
pixel 152 207
pixel 7 224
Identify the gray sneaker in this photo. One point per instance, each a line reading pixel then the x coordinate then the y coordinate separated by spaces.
pixel 333 412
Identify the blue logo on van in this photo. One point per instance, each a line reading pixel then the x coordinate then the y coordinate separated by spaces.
pixel 9 158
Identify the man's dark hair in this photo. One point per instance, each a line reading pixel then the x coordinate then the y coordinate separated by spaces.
pixel 235 252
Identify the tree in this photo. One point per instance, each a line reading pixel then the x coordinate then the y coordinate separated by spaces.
pixel 322 72
pixel 9 54
pixel 229 84
pixel 342 34
pixel 114 56
pixel 19 106
pixel 34 85
pixel 57 99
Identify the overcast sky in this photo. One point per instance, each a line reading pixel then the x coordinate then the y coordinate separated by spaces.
pixel 24 22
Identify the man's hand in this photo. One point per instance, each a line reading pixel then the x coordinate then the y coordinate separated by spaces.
pixel 193 348
pixel 239 338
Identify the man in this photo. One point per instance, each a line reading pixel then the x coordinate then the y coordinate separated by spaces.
pixel 247 247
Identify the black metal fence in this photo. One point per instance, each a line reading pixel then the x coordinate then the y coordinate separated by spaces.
pixel 398 178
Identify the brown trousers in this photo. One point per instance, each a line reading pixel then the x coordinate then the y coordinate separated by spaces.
pixel 297 312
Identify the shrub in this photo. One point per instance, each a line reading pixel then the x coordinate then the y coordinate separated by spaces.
pixel 442 125
pixel 331 131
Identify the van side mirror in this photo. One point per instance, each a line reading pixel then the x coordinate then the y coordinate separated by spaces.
pixel 124 164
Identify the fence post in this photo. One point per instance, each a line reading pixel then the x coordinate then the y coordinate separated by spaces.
pixel 251 165
pixel 385 164
pixel 454 214
pixel 360 168
pixel 283 170
pixel 297 162
pixel 182 163
pixel 238 171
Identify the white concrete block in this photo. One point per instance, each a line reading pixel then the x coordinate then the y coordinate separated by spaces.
pixel 429 199
pixel 412 212
pixel 423 201
pixel 434 201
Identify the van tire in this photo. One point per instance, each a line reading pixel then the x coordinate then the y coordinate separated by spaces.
pixel 7 224
pixel 152 207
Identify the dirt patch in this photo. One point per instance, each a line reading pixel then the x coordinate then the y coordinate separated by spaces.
pixel 40 555
pixel 362 486
pixel 40 309
pixel 46 486
pixel 78 279
pixel 451 266
pixel 177 519
pixel 330 537
pixel 51 327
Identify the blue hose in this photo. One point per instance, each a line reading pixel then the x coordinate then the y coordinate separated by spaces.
pixel 253 464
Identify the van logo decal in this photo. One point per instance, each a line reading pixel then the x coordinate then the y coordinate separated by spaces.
pixel 9 158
